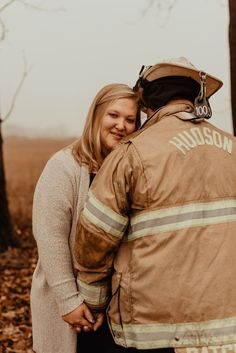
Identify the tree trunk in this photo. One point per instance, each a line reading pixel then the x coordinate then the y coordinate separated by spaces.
pixel 232 49
pixel 6 232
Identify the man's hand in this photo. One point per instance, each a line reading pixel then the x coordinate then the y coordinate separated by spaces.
pixel 99 321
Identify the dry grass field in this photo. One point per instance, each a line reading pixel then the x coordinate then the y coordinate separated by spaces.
pixel 24 162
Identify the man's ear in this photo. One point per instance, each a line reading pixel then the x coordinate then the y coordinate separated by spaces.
pixel 149 112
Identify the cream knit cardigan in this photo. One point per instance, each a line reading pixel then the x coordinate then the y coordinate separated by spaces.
pixel 58 200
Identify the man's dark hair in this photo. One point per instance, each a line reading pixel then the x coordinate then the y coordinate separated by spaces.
pixel 159 92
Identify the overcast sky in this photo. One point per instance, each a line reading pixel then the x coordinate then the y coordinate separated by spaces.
pixel 72 53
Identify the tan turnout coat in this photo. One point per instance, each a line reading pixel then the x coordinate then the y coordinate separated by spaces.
pixel 165 222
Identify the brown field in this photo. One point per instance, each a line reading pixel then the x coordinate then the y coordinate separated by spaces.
pixel 24 162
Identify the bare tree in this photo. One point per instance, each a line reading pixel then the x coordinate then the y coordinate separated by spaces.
pixel 7 236
pixel 6 231
pixel 232 49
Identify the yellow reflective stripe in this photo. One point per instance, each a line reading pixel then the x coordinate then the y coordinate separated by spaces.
pixel 174 218
pixel 96 296
pixel 185 209
pixel 104 218
pixel 147 336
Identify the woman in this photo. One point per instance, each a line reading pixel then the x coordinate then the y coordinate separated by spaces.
pixel 59 197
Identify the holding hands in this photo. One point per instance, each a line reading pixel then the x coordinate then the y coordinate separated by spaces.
pixel 81 319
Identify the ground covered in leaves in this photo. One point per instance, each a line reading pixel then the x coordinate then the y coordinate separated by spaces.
pixel 16 269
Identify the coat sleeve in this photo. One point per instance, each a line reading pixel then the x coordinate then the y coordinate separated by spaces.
pixel 102 226
pixel 52 219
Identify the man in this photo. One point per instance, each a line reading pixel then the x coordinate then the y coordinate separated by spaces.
pixel 160 222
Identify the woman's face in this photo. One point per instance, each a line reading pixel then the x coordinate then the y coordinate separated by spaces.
pixel 118 121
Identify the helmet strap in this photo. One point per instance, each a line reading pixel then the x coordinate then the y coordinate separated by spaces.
pixel 202 109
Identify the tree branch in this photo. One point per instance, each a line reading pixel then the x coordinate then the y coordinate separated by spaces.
pixel 17 91
pixel 3 29
pixel 39 8
pixel 160 6
pixel 6 5
pixel 3 32
pixel 149 5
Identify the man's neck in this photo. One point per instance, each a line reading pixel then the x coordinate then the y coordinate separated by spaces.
pixel 150 112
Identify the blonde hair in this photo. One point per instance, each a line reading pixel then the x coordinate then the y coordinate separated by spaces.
pixel 87 150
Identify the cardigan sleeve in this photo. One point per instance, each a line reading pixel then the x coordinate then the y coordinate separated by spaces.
pixel 53 208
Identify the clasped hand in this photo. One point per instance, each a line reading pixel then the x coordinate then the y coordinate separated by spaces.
pixel 81 319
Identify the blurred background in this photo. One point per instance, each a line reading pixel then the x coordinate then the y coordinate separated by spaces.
pixel 74 47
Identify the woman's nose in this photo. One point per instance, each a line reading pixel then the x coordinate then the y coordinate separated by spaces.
pixel 120 124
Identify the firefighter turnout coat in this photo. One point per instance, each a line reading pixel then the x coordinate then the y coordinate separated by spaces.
pixel 159 225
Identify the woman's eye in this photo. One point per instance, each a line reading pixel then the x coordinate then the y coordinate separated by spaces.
pixel 113 115
pixel 131 121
